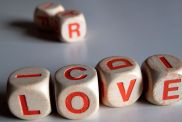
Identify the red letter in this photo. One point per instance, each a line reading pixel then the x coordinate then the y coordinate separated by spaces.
pixel 67 73
pixel 111 67
pixel 167 89
pixel 165 62
pixel 74 28
pixel 125 95
pixel 24 106
pixel 28 75
pixel 85 99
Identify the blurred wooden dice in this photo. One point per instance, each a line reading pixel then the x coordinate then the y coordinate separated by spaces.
pixel 68 25
pixel 76 89
pixel 28 93
pixel 162 74
pixel 44 14
pixel 120 81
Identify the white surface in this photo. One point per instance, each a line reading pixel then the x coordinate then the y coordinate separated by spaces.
pixel 133 28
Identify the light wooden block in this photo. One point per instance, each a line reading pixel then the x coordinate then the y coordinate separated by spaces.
pixel 28 93
pixel 120 81
pixel 70 26
pixel 162 74
pixel 76 89
pixel 44 14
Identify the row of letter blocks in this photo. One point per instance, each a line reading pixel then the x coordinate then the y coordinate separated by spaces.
pixel 120 81
pixel 68 25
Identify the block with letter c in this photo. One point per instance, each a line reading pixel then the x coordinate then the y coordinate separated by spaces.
pixel 76 90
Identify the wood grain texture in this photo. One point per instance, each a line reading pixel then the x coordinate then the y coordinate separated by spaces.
pixel 120 81
pixel 28 93
pixel 162 74
pixel 44 14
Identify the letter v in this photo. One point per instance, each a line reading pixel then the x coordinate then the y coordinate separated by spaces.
pixel 126 95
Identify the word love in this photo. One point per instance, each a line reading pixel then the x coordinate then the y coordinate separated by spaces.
pixel 120 79
pixel 68 25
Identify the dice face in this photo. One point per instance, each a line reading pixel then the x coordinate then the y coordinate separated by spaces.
pixel 120 81
pixel 44 14
pixel 76 89
pixel 70 26
pixel 162 74
pixel 28 93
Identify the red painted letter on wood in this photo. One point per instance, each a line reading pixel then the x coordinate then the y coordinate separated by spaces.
pixel 68 75
pixel 24 107
pixel 168 89
pixel 165 62
pixel 126 94
pixel 71 108
pixel 125 61
pixel 74 28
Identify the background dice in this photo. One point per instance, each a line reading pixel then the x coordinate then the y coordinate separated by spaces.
pixel 44 14
pixel 163 74
pixel 76 89
pixel 28 93
pixel 70 26
pixel 120 81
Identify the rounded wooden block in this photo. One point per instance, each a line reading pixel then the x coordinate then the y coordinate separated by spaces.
pixel 28 93
pixel 70 26
pixel 44 14
pixel 162 74
pixel 76 90
pixel 120 81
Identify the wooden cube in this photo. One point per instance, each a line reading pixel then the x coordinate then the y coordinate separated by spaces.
pixel 120 81
pixel 44 14
pixel 70 26
pixel 28 93
pixel 76 89
pixel 162 74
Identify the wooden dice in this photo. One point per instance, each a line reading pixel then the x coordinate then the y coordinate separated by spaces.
pixel 120 81
pixel 28 93
pixel 76 86
pixel 44 14
pixel 70 26
pixel 162 74
pixel 76 89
